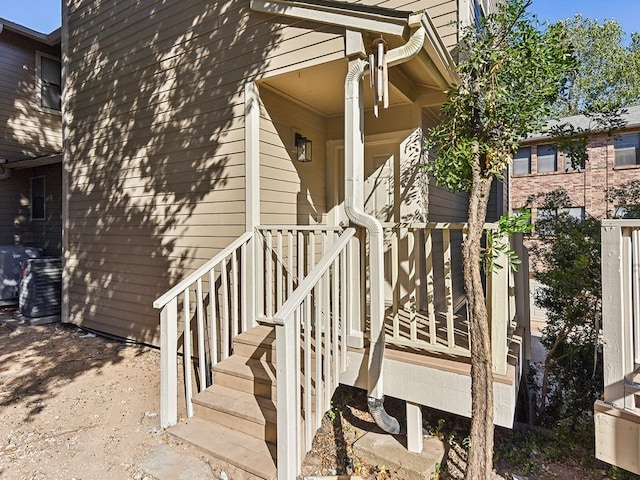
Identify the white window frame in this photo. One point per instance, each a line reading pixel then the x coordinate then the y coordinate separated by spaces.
pixel 521 159
pixel 39 56
pixel 44 199
pixel 625 149
pixel 549 148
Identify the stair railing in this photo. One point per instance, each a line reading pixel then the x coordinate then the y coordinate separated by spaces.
pixel 311 329
pixel 288 253
pixel 212 295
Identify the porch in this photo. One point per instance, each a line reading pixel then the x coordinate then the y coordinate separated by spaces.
pixel 278 319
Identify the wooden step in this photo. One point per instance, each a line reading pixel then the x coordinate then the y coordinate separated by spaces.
pixel 249 375
pixel 240 411
pixel 259 342
pixel 239 449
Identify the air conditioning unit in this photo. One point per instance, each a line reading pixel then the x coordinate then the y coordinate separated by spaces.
pixel 11 258
pixel 41 287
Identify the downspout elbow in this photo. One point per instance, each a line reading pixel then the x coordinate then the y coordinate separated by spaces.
pixel 5 173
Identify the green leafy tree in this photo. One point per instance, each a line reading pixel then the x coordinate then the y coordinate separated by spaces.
pixel 567 253
pixel 511 74
pixel 608 73
pixel 626 196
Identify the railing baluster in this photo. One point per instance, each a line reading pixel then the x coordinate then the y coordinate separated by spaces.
pixel 244 322
pixel 413 303
pixel 395 284
pixel 335 277
pixel 278 260
pixel 345 309
pixel 312 250
pixel 261 258
pixel 225 330
pixel 448 286
pixel 200 335
pixel 326 325
pixel 269 281
pixel 318 360
pixel 290 251
pixel 308 373
pixel 213 319
pixel 234 294
pixel 301 254
pixel 186 352
pixel 428 264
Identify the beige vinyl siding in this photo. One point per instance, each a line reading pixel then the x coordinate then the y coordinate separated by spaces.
pixel 156 135
pixel 292 193
pixel 26 129
pixel 15 210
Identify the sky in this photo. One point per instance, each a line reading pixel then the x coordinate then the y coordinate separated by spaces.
pixel 44 15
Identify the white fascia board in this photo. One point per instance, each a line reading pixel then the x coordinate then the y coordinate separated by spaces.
pixel 334 15
pixel 438 53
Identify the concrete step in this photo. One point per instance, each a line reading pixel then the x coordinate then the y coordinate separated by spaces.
pixel 240 411
pixel 250 375
pixel 250 454
pixel 259 342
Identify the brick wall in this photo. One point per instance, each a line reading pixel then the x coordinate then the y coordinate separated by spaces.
pixel 585 187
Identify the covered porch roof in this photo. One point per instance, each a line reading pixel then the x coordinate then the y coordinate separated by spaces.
pixel 420 81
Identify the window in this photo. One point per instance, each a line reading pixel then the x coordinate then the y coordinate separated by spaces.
pixel 49 81
pixel 620 212
pixel 37 198
pixel 626 148
pixel 522 161
pixel 545 214
pixel 575 212
pixel 546 159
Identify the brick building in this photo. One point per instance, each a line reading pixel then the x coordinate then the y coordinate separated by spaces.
pixel 537 168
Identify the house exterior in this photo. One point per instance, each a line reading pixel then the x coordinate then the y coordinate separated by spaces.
pixel 612 161
pixel 235 193
pixel 30 139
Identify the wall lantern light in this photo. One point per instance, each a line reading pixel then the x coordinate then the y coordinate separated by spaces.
pixel 303 148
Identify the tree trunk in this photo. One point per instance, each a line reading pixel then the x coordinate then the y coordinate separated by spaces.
pixel 480 456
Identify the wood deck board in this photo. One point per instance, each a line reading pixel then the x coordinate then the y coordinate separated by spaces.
pixel 239 449
pixel 242 404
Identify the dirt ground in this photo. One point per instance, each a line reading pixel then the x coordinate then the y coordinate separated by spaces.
pixel 75 406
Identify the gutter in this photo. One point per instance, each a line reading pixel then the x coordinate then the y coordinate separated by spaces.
pixel 354 208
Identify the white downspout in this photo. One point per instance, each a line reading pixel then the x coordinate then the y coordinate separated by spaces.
pixel 354 203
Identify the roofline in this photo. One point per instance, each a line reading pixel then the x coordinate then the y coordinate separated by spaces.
pixel 353 16
pixel 18 164
pixel 51 39
pixel 580 119
pixel 358 17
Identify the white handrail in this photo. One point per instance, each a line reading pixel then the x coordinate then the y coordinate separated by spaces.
pixel 309 321
pixel 193 277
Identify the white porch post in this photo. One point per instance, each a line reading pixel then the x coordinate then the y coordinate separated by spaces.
pixel 616 314
pixel 252 197
pixel 169 364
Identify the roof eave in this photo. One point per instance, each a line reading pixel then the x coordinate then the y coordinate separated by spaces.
pixel 51 39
